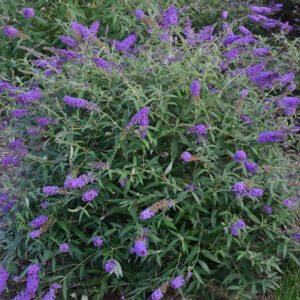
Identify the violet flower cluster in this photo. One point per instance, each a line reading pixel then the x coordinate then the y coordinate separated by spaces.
pixel 110 265
pixel 89 195
pixel 4 275
pixel 140 247
pixel 236 227
pixel 242 190
pixel 79 182
pixel 200 131
pixel 97 241
pixel 32 283
pixel 270 137
pixel 28 12
pixel 51 294
pixel 140 119
pixel 80 103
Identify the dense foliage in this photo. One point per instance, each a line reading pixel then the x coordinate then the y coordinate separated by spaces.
pixel 163 162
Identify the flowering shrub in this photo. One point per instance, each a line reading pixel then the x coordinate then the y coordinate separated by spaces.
pixel 156 164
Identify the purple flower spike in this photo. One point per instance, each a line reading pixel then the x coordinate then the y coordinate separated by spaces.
pixel 250 167
pixel 28 12
pixel 234 229
pixel 157 295
pixel 51 190
pixel 94 27
pixel 19 113
pixel 140 119
pixel 186 156
pixel 140 248
pixel 89 195
pixel 39 221
pixel 64 248
pixel 177 282
pixel 139 14
pixel 268 210
pixel 240 224
pixel 3 279
pixel 68 41
pixel 170 18
pixel 269 137
pixel 244 93
pixel 224 15
pixel 10 31
pixel 109 265
pixel 195 88
pixel 97 241
pixel 146 214
pixel 240 156
pixel 190 188
pixel 35 233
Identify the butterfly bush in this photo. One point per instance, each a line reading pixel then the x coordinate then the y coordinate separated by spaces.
pixel 165 191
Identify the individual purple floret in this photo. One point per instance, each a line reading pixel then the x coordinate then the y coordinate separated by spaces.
pixel 140 248
pixel 287 202
pixel 195 88
pixel 157 295
pixel 19 113
pixel 97 241
pixel 10 32
pixel 240 156
pixel 35 233
pixel 109 265
pixel 28 12
pixel 4 275
pixel 68 41
pixel 51 190
pixel 170 17
pixel 39 221
pixel 10 160
pixel 140 119
pixel 177 282
pixel 250 167
pixel 190 188
pixel 269 137
pixel 186 156
pixel 146 214
pixel 139 14
pixel 189 275
pixel 64 248
pixel 89 195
